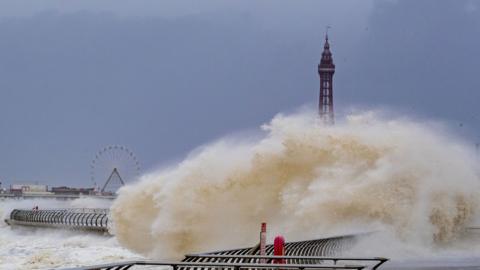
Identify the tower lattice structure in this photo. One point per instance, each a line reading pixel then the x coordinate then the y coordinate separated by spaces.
pixel 326 69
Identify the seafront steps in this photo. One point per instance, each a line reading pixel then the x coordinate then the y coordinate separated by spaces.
pixel 88 219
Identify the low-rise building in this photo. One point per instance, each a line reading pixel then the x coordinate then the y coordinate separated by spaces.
pixel 28 188
pixel 72 191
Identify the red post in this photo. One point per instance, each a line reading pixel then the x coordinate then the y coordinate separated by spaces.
pixel 263 241
pixel 279 249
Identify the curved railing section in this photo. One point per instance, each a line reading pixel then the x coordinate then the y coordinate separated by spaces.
pixel 81 218
pixel 319 247
pixel 235 265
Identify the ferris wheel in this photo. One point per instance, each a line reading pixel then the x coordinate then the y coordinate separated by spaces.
pixel 113 166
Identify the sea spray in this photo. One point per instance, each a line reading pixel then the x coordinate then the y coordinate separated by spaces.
pixel 307 181
pixel 41 248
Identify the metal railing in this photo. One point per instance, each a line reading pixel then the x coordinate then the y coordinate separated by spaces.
pixel 209 265
pixel 318 247
pixel 307 260
pixel 301 255
pixel 80 218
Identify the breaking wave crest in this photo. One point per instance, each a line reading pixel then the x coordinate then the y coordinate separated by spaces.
pixel 307 181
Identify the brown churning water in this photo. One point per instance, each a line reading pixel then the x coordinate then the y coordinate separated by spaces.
pixel 307 181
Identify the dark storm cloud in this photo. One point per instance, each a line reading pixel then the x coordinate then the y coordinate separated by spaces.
pixel 423 56
pixel 76 77
pixel 75 81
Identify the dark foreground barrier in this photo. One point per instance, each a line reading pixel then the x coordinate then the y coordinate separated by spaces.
pixel 233 266
pixel 82 218
pixel 300 255
pixel 322 263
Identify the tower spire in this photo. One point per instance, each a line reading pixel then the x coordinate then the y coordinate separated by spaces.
pixel 326 69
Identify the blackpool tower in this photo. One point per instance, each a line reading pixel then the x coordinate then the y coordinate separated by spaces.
pixel 326 68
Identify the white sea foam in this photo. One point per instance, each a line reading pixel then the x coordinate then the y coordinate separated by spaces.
pixel 412 181
pixel 30 248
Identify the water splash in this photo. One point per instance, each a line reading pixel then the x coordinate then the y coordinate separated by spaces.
pixel 42 248
pixel 307 181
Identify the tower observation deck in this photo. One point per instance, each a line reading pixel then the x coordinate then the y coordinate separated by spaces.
pixel 326 69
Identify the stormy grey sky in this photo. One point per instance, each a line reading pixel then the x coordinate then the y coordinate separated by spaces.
pixel 163 77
